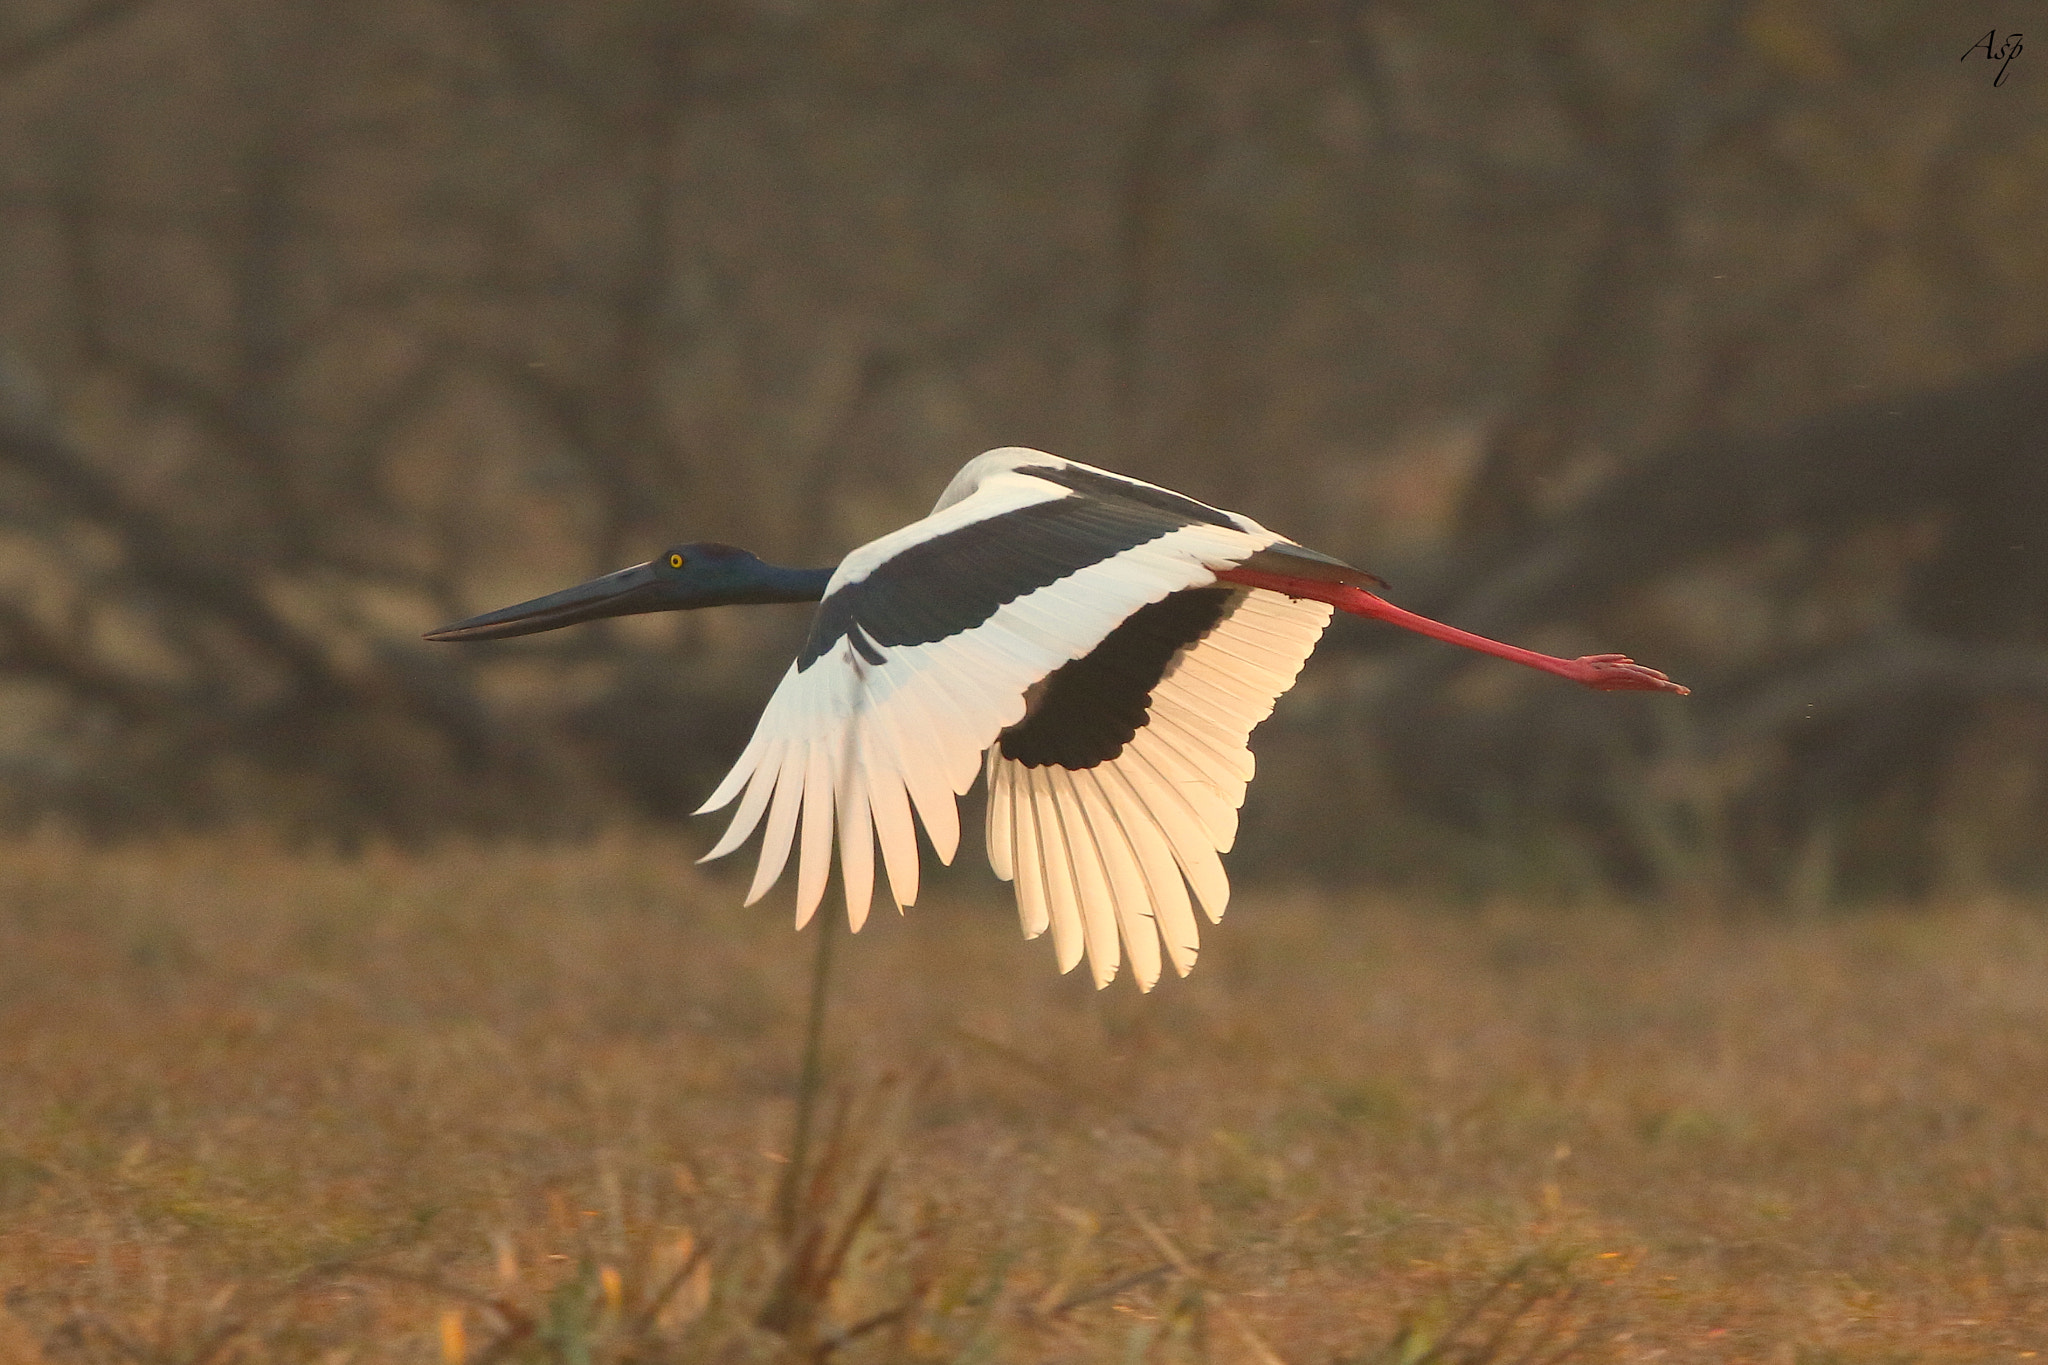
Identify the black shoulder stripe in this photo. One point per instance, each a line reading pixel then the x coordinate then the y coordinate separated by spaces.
pixel 1095 484
pixel 954 582
pixel 1089 709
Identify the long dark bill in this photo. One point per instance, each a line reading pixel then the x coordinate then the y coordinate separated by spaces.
pixel 625 593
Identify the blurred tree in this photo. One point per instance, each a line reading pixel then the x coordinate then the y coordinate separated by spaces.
pixel 325 324
pixel 31 38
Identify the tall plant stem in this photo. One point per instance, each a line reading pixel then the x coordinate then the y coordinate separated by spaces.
pixel 808 1079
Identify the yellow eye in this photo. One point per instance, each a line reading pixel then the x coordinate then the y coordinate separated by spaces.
pixel 675 561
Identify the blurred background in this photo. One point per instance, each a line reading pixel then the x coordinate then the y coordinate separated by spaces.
pixel 1713 333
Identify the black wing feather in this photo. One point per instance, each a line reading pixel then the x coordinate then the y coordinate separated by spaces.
pixel 955 581
pixel 1090 708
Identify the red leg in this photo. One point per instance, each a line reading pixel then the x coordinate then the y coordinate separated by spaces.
pixel 1602 672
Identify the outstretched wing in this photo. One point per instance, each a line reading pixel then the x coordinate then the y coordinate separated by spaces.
pixel 1127 777
pixel 932 642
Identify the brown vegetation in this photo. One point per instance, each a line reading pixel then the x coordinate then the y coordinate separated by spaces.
pixel 511 1104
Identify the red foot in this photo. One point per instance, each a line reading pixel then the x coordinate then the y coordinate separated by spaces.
pixel 1619 673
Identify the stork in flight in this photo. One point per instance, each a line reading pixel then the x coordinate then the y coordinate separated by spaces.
pixel 1099 647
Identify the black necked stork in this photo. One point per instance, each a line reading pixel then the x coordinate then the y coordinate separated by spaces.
pixel 1099 647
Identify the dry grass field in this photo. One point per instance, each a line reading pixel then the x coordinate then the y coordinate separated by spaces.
pixel 516 1104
